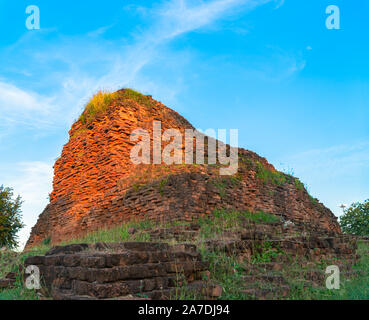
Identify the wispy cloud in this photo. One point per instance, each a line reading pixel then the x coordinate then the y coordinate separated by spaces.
pixel 335 173
pixel 334 160
pixel 56 75
pixel 179 17
pixel 21 105
pixel 171 20
pixel 77 66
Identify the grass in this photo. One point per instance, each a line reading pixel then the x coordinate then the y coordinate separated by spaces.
pixel 299 185
pixel 356 288
pixel 97 105
pixel 269 176
pixel 225 269
pixel 226 220
pixel 100 102
pixel 212 226
pixel 137 97
pixel 315 201
pixel 162 185
pixel 222 183
pixel 19 292
pixel 116 234
pixel 266 253
pixel 278 178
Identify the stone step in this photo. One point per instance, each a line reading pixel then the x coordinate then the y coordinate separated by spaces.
pixel 105 270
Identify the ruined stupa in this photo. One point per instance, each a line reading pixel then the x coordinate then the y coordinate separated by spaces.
pixel 96 185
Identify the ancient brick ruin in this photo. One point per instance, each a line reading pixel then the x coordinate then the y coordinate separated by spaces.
pixel 271 234
pixel 123 271
pixel 156 270
pixel 96 185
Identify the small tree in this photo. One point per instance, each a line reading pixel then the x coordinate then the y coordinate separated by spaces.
pixel 10 218
pixel 355 219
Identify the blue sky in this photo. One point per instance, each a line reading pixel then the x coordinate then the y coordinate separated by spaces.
pixel 297 92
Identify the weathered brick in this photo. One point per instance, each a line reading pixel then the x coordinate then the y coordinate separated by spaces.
pixel 35 260
pixel 72 260
pixel 100 291
pixel 92 262
pixel 107 195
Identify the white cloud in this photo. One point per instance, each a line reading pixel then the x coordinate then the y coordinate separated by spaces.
pixel 336 173
pixel 84 64
pixel 17 105
pixel 180 17
pixel 70 69
pixel 335 160
pixel 171 20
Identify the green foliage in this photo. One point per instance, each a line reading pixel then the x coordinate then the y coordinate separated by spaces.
pixel 356 288
pixel 268 176
pixel 100 102
pixel 162 185
pixel 299 185
pixel 313 200
pixel 10 218
pixel 46 241
pixel 356 219
pixel 136 96
pixel 97 105
pixel 116 234
pixel 266 253
pixel 225 220
pixel 227 272
pixel 246 162
pixel 221 183
pixel 7 259
pixel 19 292
pixel 260 217
pixel 226 269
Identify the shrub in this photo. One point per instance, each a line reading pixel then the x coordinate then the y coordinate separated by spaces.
pixel 10 218
pixel 46 241
pixel 355 219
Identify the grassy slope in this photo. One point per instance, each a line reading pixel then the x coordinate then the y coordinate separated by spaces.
pixel 225 270
pixel 350 289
